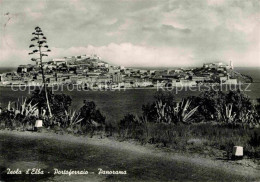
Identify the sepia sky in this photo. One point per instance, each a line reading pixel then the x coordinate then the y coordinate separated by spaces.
pixel 165 33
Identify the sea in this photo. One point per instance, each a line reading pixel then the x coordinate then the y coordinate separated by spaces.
pixel 117 103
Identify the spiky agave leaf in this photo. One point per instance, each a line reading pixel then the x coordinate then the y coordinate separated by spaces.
pixel 23 106
pixel 73 115
pixel 76 119
pixel 186 105
pixel 188 115
pixel 9 106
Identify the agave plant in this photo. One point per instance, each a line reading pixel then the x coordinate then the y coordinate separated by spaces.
pixel 20 113
pixel 164 112
pixel 225 113
pixel 229 115
pixel 23 108
pixel 182 113
pixel 160 108
pixel 72 118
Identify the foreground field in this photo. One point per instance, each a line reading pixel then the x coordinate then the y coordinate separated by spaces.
pixel 47 151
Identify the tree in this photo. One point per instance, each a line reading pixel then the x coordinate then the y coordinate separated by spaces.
pixel 41 48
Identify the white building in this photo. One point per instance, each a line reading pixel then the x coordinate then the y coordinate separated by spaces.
pixel 214 65
pixel 59 61
pixel 231 81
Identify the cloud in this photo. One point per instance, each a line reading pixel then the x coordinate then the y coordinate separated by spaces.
pixel 128 54
pixel 200 29
pixel 29 12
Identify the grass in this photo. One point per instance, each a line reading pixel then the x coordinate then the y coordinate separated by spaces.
pixel 205 138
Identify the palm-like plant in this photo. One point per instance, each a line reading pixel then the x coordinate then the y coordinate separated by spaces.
pixel 40 48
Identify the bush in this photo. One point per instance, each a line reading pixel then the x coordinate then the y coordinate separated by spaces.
pixel 177 124
pixel 166 110
pixel 255 138
pixel 19 115
pixel 150 110
pixel 233 108
pixel 92 119
pixel 131 127
pixel 59 103
pixel 87 120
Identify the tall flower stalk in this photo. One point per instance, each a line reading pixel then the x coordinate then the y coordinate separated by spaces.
pixel 40 48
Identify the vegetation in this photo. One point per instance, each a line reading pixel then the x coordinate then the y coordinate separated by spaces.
pixel 19 115
pixel 211 123
pixel 41 48
pixel 22 115
pixel 166 110
pixel 231 109
pixel 59 103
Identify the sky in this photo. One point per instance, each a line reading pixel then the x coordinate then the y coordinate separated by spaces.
pixel 140 33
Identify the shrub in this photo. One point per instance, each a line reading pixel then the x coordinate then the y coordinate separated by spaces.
pixel 70 119
pixel 59 103
pixel 92 119
pixel 151 112
pixel 19 114
pixel 132 127
pixel 255 138
pixel 166 110
pixel 174 124
pixel 233 108
pixel 110 129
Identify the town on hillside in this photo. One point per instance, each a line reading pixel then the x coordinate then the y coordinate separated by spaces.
pixel 91 72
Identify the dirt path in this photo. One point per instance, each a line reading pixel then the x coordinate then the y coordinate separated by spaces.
pixel 143 163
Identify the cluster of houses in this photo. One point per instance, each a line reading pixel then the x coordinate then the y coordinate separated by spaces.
pixel 91 72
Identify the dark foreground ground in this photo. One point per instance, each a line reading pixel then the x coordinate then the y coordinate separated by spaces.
pixel 48 151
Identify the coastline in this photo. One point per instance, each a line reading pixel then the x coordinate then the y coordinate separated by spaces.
pixel 130 88
pixel 243 168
